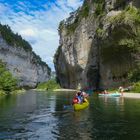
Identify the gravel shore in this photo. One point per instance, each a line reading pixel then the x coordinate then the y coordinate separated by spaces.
pixel 132 95
pixel 64 90
pixel 126 94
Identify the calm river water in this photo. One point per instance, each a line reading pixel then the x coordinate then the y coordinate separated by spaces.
pixel 49 116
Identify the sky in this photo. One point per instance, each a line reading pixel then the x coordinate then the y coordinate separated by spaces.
pixel 37 22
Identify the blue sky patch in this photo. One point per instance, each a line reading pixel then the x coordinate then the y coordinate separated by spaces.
pixel 37 21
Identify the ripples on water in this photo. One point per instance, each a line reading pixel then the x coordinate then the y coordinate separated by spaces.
pixel 49 116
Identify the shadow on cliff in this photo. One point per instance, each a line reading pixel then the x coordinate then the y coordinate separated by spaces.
pixel 68 73
pixel 92 69
pixel 109 62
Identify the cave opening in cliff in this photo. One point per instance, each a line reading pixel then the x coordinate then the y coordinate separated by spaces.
pixel 93 78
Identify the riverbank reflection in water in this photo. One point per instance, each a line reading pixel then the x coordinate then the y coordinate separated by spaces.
pixel 42 116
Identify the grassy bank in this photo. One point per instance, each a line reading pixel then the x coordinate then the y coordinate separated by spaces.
pixel 18 91
pixel 2 93
pixel 49 85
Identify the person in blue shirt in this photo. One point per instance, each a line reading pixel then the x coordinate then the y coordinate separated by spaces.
pixel 79 97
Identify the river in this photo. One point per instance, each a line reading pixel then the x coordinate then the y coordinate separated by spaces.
pixel 50 116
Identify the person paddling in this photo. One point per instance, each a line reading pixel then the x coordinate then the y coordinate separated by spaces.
pixel 80 97
pixel 121 89
pixel 77 99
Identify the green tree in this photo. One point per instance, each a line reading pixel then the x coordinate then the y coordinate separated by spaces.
pixel 49 85
pixel 7 82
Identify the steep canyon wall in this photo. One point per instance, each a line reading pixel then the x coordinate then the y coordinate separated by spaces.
pixel 99 44
pixel 22 62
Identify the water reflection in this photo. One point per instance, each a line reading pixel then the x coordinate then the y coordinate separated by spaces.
pixel 42 116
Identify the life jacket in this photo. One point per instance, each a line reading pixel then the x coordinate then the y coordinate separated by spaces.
pixel 79 99
pixel 75 100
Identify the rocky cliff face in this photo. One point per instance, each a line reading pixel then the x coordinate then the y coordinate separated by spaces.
pixel 98 44
pixel 24 64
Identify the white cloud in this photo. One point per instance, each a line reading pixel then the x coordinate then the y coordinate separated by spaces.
pixel 39 26
pixel 74 3
pixel 28 32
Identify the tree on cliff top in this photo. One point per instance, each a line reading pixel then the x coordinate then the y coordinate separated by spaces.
pixel 13 39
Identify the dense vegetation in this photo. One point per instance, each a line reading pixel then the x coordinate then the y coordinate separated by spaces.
pixel 16 40
pixel 49 85
pixel 99 7
pixel 82 12
pixel 7 82
pixel 136 87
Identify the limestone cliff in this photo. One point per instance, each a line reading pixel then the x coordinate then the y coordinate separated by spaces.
pixel 99 44
pixel 20 60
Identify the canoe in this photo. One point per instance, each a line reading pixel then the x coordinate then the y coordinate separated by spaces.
pixel 81 106
pixel 111 94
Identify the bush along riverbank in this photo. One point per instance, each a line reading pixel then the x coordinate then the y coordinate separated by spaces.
pixel 8 83
pixel 136 87
pixel 49 85
pixel 132 88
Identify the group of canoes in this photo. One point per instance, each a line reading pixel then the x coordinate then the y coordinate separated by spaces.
pixel 80 100
pixel 116 94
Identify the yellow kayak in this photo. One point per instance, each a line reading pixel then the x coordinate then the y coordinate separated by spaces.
pixel 81 106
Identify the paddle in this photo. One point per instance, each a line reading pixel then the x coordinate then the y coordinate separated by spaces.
pixel 67 107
